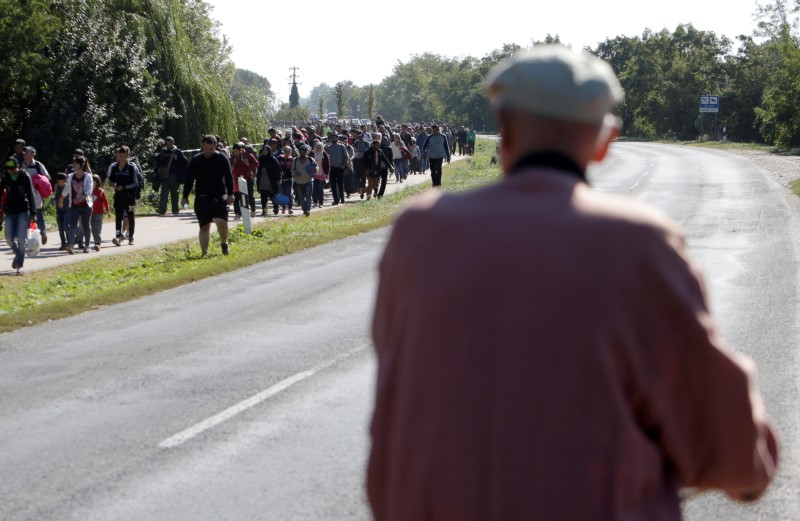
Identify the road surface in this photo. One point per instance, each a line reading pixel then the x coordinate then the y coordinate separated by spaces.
pixel 247 396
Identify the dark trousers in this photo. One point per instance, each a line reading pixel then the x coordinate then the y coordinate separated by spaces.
pixel 169 189
pixel 384 173
pixel 122 207
pixel 337 184
pixel 358 171
pixel 436 171
pixel 84 214
pixel 318 192
pixel 251 200
pixel 266 198
pixel 63 225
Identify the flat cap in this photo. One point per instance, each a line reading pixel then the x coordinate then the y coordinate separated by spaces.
pixel 553 81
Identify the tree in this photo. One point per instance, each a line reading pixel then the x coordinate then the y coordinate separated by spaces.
pixel 371 102
pixel 778 117
pixel 340 95
pixel 292 115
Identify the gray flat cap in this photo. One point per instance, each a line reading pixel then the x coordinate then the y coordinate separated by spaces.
pixel 553 81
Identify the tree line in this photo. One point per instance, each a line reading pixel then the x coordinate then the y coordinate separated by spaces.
pixel 97 73
pixel 664 74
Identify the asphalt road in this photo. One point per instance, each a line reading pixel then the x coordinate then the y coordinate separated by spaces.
pixel 247 396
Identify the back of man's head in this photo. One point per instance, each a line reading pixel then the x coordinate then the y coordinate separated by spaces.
pixel 553 81
pixel 569 96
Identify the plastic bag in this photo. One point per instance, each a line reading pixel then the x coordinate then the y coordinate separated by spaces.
pixel 32 243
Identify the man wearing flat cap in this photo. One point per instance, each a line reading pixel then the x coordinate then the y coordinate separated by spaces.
pixel 546 351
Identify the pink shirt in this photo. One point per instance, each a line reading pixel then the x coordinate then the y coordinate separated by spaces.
pixel 546 352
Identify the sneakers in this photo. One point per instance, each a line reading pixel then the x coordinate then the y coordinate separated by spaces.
pixel 252 213
pixel 306 214
pixel 225 250
pixel 130 241
pixel 86 250
pixel 69 249
pixel 44 239
pixel 290 211
pixel 96 247
pixel 117 241
pixel 63 247
pixel 14 264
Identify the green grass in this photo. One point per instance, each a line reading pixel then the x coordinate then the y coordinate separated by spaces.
pixel 71 289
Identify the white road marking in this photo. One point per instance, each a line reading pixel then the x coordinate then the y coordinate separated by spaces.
pixel 211 422
pixel 631 189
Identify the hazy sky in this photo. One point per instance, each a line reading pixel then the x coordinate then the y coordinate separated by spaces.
pixel 331 42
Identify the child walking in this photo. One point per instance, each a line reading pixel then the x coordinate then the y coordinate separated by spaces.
pixel 62 209
pixel 414 149
pixel 99 209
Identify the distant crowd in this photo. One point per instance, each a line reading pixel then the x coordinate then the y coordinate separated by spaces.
pixel 292 168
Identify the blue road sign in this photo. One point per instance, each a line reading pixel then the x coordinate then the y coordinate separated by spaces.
pixel 709 103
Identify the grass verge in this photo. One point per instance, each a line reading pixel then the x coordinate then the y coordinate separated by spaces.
pixel 72 289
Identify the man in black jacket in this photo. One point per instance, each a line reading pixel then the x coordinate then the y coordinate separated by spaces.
pixel 170 168
pixel 213 194
pixel 19 208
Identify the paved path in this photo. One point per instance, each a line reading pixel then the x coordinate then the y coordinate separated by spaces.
pixel 156 230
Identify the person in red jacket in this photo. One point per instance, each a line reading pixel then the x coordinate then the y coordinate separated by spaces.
pixel 243 164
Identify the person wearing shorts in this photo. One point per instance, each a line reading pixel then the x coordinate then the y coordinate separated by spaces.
pixel 211 172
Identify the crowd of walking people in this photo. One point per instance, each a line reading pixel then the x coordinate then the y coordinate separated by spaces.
pixel 291 169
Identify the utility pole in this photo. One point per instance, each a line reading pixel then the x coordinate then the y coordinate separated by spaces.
pixel 294 97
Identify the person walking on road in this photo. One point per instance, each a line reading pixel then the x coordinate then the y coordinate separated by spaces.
pixel 337 154
pixel 211 172
pixel 171 166
pixel 596 385
pixel 19 209
pixel 42 187
pixel 375 161
pixel 126 179
pixel 304 168
pixel 472 138
pixel 436 150
pixel 100 209
pixel 268 177
pixel 77 196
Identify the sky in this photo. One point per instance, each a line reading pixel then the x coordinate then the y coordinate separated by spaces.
pixel 330 42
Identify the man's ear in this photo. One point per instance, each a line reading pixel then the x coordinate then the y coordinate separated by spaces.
pixel 607 136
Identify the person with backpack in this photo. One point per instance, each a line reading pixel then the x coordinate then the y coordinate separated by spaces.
pixel 436 149
pixel 126 179
pixel 375 162
pixel 171 166
pixel 19 208
pixel 303 170
pixel 337 154
pixel 42 187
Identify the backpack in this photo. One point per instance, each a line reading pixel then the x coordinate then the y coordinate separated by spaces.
pixel 405 153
